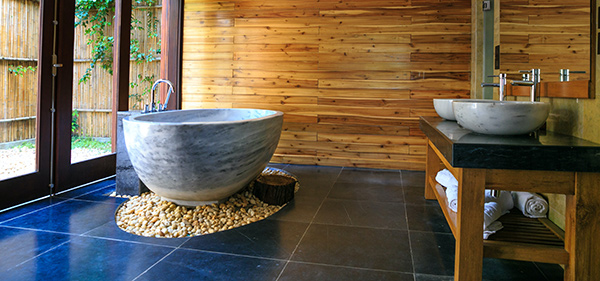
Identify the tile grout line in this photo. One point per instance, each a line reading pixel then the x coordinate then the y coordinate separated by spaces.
pixel 38 255
pixel 153 265
pixel 309 225
pixel 412 257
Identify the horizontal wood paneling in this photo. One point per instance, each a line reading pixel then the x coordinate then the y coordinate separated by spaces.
pixel 546 34
pixel 352 77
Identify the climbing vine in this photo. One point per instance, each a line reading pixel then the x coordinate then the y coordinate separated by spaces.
pixel 96 18
pixel 19 70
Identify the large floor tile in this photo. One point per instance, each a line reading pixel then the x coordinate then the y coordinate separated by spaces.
pixel 360 247
pixel 185 264
pixel 320 172
pixel 362 213
pixel 112 231
pixel 266 238
pixel 71 216
pixel 553 272
pixel 413 178
pixel 302 271
pixel 415 195
pixel 433 253
pixel 85 258
pixel 300 209
pixel 371 176
pixel 428 217
pixel 102 196
pixel 76 192
pixel 17 245
pixel 374 192
pixel 29 208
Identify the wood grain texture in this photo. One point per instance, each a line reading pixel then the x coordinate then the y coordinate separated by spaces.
pixel 352 77
pixel 550 35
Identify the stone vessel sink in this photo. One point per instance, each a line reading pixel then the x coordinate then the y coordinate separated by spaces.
pixel 501 117
pixel 443 107
pixel 201 156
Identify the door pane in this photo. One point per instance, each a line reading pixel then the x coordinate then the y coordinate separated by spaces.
pixel 92 80
pixel 19 31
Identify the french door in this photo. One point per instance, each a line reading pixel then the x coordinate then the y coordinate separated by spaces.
pixel 54 170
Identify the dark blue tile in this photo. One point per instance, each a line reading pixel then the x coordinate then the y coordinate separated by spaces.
pixel 367 192
pixel 301 271
pixel 112 231
pixel 509 270
pixel 84 258
pixel 370 176
pixel 184 264
pixel 277 165
pixel 17 245
pixel 69 217
pixel 102 196
pixel 413 178
pixel 427 217
pixel 265 238
pixel 321 172
pixel 28 208
pixel 427 277
pixel 369 248
pixel 415 195
pixel 300 209
pixel 433 253
pixel 76 192
pixel 362 213
pixel 553 272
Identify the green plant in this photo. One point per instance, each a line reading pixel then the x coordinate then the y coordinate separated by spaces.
pixel 96 17
pixel 138 96
pixel 90 143
pixel 74 119
pixel 19 70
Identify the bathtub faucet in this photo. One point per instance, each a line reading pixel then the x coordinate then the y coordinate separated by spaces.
pixel 152 107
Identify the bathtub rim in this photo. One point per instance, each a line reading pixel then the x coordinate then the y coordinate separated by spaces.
pixel 134 118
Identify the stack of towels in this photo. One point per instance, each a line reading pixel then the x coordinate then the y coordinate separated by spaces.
pixel 532 205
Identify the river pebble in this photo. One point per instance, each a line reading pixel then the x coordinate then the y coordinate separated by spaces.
pixel 148 215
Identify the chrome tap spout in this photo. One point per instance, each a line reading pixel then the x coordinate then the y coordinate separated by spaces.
pixel 153 107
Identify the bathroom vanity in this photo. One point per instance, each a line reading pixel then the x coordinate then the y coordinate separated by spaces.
pixel 544 163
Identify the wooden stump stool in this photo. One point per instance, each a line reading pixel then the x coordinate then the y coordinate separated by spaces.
pixel 274 189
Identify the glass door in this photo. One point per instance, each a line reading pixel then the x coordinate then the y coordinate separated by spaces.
pixel 25 100
pixel 39 95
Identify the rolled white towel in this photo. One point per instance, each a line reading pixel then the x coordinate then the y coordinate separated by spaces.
pixel 491 229
pixel 531 204
pixel 445 178
pixel 504 198
pixel 452 197
pixel 491 212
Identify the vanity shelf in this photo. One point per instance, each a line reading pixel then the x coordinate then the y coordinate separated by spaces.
pixel 517 164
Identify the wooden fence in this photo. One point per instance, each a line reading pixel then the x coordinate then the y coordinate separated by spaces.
pixel 19 30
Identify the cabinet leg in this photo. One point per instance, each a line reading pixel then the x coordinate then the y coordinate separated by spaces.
pixel 432 166
pixel 469 239
pixel 583 229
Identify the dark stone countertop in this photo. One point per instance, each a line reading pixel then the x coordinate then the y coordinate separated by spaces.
pixel 541 151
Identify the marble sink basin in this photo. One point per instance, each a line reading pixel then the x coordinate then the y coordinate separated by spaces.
pixel 443 107
pixel 501 117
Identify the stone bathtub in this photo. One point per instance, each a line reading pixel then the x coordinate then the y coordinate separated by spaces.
pixel 201 156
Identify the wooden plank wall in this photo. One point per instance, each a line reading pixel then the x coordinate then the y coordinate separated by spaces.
pixel 351 76
pixel 545 34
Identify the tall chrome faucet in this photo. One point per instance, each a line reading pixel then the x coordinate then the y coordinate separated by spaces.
pixel 152 107
pixel 501 85
pixel 531 78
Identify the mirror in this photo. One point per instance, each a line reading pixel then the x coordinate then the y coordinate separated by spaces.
pixel 547 34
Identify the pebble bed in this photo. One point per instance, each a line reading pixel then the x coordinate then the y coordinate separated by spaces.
pixel 148 215
pixel 21 160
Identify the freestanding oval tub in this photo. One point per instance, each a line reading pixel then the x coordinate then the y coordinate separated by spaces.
pixel 201 156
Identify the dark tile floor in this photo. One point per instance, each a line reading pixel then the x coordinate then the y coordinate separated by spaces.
pixel 344 224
